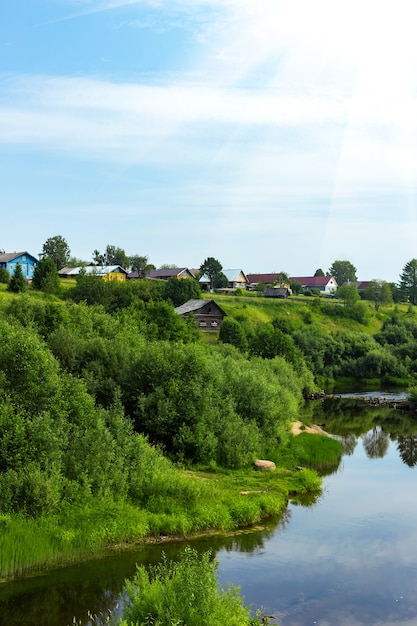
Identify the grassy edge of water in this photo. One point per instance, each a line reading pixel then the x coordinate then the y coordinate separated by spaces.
pixel 223 502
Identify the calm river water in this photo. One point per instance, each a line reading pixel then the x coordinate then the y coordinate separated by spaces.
pixel 350 559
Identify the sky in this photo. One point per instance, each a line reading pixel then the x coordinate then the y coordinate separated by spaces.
pixel 271 135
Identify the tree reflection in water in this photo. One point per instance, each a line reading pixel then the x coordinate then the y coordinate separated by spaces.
pixel 407 448
pixel 376 443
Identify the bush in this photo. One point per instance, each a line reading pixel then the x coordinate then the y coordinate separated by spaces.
pixel 182 593
pixel 4 276
pixel 231 331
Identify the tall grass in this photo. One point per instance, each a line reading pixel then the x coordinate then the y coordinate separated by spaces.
pixel 316 451
pixel 222 502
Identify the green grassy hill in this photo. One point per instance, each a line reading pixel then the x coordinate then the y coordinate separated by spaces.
pixel 302 310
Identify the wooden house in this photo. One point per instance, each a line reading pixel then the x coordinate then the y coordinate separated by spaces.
pixel 261 279
pixel 27 262
pixel 207 314
pixel 325 284
pixel 171 272
pixel 277 292
pixel 107 272
pixel 235 279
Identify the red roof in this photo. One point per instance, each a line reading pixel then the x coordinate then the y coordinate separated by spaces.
pixel 262 278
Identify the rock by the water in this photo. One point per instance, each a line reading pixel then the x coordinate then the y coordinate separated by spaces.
pixel 262 464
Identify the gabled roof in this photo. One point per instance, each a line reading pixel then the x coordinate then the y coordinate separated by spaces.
pixel 266 279
pixel 64 271
pixel 313 281
pixel 231 276
pixel 276 292
pixel 195 305
pixel 10 256
pixel 361 285
pixel 171 272
pixel 96 270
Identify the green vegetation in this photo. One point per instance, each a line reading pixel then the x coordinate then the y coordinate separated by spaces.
pixel 183 592
pixel 110 402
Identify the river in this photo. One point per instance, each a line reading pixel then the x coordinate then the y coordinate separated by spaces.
pixel 349 559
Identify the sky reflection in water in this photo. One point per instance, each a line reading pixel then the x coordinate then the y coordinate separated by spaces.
pixel 351 559
pixel 348 560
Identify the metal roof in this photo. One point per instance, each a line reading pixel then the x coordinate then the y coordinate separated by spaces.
pixel 9 256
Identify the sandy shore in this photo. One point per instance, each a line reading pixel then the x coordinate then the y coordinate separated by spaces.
pixel 298 428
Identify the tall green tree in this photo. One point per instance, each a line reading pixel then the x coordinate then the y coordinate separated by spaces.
pixel 319 272
pixel 45 277
pixel 408 281
pixel 348 293
pixel 140 264
pixel 111 256
pixel 116 256
pixel 282 279
pixel 4 276
pixel 179 290
pixel 57 249
pixel 343 272
pixel 211 268
pixel 379 292
pixel 17 282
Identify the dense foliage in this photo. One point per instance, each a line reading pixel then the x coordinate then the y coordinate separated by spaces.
pixel 82 386
pixel 88 385
pixel 183 592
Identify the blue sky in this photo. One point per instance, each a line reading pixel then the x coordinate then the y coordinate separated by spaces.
pixel 272 135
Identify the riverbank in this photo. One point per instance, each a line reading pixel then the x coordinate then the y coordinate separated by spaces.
pixel 213 502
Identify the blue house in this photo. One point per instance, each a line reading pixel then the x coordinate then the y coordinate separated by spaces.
pixel 9 260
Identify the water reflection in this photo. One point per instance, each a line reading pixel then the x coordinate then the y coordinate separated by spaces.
pixel 350 559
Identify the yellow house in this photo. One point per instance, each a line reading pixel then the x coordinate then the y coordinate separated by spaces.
pixel 107 272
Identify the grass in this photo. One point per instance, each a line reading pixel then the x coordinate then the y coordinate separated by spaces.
pixel 316 451
pixel 222 502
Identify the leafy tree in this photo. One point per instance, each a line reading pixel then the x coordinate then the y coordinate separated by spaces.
pixel 112 256
pixel 45 277
pixel 220 281
pixel 296 287
pixel 116 256
pixel 282 279
pixel 4 276
pixel 231 331
pixel 319 272
pixel 211 268
pixel 74 261
pixel 58 250
pixel 17 282
pixel 179 290
pixel 396 292
pixel 349 294
pixel 408 281
pixel 269 341
pixel 98 258
pixel 140 264
pixel 379 292
pixel 343 272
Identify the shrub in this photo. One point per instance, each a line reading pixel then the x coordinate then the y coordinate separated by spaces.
pixel 183 593
pixel 4 276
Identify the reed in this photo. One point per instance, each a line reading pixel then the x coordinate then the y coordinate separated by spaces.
pixel 315 451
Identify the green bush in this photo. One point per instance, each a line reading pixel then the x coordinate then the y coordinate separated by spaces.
pixel 183 593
